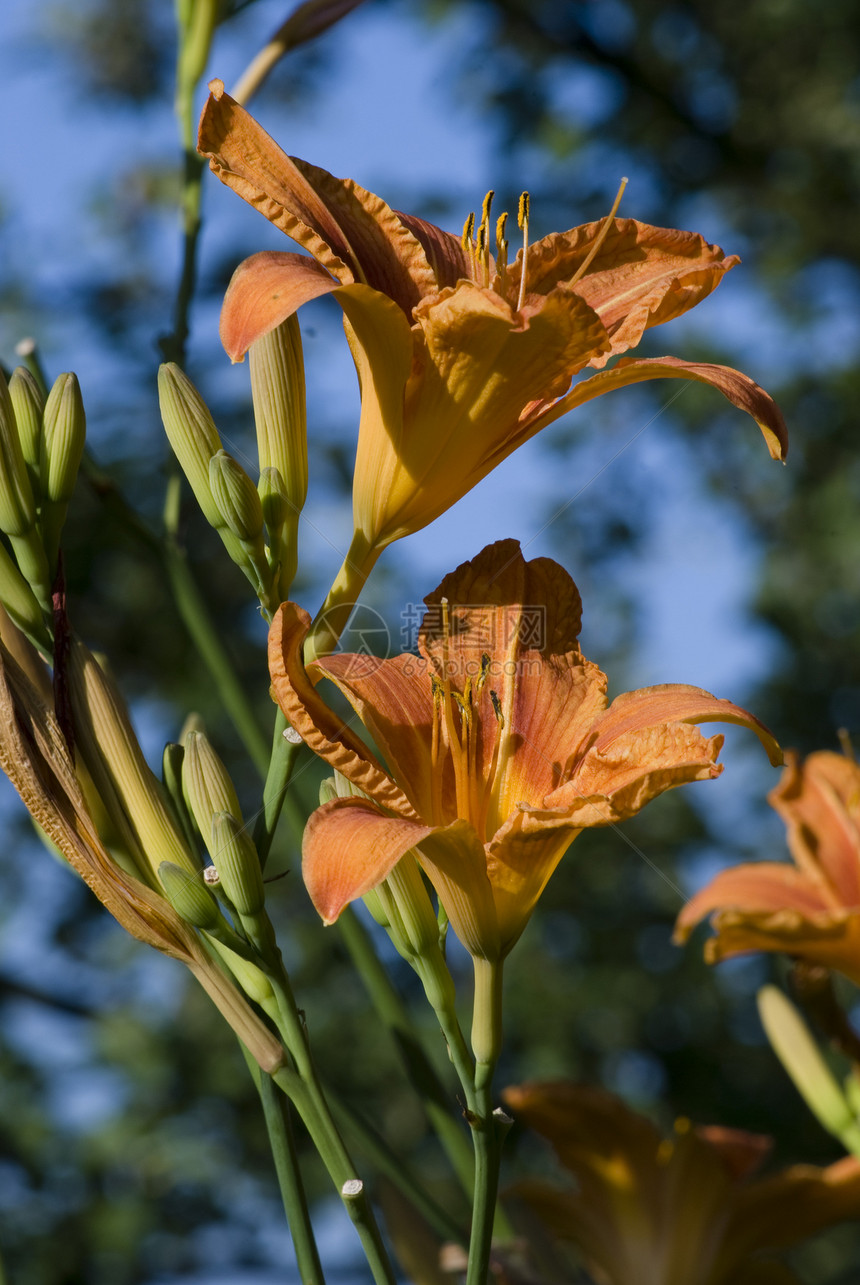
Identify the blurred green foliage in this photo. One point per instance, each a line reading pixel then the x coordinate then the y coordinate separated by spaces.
pixel 750 111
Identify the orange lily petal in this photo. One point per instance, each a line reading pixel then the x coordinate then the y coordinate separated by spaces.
pixel 319 727
pixel 263 291
pixel 738 388
pixel 830 938
pixel 781 1210
pixel 477 363
pixel 549 694
pixel 641 276
pixel 349 847
pixel 676 703
pixel 393 700
pixel 454 861
pixel 819 801
pixel 351 232
pixel 616 782
pixel 445 253
pixel 758 887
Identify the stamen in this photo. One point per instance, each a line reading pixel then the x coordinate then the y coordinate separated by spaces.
pixel 523 223
pixel 601 236
pixel 846 744
pixel 461 779
pixel 481 253
pixel 466 240
pixel 486 662
pixel 494 764
pixel 501 248
pixel 436 763
pixel 484 242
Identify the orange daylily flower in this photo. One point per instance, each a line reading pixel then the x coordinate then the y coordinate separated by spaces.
pixel 461 356
pixel 685 1210
pixel 498 742
pixel 810 909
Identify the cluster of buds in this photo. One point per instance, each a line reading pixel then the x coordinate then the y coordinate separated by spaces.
pixel 41 444
pixel 257 524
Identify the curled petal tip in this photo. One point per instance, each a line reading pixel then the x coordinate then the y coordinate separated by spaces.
pixel 216 88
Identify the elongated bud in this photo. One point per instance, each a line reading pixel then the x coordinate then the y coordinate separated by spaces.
pixel 273 497
pixel 28 405
pixel 134 798
pixel 801 1057
pixel 192 434
pixel 17 506
pixel 278 393
pixel 171 776
pixel 236 499
pixel 21 603
pixel 198 19
pixel 206 784
pixel 63 437
pixel 64 430
pixel 236 860
pixel 189 897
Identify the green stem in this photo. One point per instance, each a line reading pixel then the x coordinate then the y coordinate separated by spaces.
pixel 487 1134
pixel 304 1089
pixel 488 1128
pixel 389 1007
pixel 204 636
pixel 333 615
pixel 282 1144
pixel 386 1162
pixel 275 793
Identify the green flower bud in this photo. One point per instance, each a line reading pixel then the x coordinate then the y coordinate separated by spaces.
pixel 206 784
pixel 189 897
pixel 171 776
pixel 273 497
pixel 133 797
pixel 21 603
pixel 63 436
pixel 192 434
pixel 802 1059
pixel 28 405
pixel 17 506
pixel 64 429
pixel 238 865
pixel 236 499
pixel 278 393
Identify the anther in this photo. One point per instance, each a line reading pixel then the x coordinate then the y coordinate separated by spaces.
pixel 523 223
pixel 497 708
pixel 501 246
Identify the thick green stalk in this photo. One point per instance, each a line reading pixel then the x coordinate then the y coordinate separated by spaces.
pixel 333 615
pixel 305 1092
pixel 436 1099
pixel 275 792
pixel 282 1144
pixel 386 1162
pixel 488 1128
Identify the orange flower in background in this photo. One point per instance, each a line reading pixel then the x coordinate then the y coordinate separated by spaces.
pixel 498 743
pixel 461 356
pixel 684 1210
pixel 810 909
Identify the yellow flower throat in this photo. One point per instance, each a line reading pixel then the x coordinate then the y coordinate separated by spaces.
pixel 456 734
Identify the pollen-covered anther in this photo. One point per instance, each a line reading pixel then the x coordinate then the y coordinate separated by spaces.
pixel 523 225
